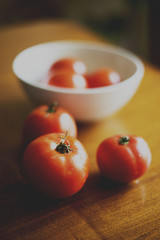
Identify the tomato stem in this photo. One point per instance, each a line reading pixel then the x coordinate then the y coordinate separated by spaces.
pixel 124 140
pixel 63 147
pixel 52 107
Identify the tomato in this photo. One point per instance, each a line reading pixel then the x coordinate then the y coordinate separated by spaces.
pixel 123 158
pixel 69 64
pixel 103 77
pixel 48 119
pixel 68 79
pixel 56 165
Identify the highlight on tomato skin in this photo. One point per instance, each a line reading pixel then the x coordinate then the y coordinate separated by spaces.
pixel 103 77
pixel 123 158
pixel 56 165
pixel 46 119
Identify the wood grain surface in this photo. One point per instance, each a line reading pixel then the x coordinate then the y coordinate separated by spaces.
pixel 102 209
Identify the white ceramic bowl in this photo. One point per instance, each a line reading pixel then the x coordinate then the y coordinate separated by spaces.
pixel 31 65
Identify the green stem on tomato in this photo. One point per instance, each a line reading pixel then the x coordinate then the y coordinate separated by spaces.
pixel 52 107
pixel 124 140
pixel 63 147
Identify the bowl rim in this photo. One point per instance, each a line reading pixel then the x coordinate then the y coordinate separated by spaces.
pixel 91 45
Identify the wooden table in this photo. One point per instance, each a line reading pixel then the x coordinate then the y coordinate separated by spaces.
pixel 101 210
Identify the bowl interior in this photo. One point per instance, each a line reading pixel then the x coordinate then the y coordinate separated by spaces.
pixel 32 64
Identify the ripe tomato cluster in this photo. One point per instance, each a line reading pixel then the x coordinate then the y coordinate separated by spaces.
pixel 72 73
pixel 55 162
pixel 68 73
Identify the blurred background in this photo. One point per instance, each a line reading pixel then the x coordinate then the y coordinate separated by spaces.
pixel 133 24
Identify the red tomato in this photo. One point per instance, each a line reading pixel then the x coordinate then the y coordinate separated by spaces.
pixel 48 119
pixel 68 79
pixel 103 77
pixel 56 165
pixel 69 64
pixel 123 158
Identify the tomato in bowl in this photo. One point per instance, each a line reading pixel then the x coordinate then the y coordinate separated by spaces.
pixel 88 104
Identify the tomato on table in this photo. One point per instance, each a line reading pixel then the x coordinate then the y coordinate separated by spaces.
pixel 68 79
pixel 68 64
pixel 123 158
pixel 57 165
pixel 103 77
pixel 48 119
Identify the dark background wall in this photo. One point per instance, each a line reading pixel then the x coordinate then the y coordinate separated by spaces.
pixel 133 24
